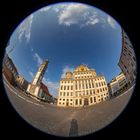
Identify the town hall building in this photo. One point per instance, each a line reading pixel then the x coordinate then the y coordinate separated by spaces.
pixel 83 87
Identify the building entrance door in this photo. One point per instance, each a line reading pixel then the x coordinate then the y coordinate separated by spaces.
pixel 85 101
pixel 67 103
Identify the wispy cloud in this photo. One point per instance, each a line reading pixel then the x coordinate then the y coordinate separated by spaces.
pixel 25 29
pixel 38 59
pixel 31 74
pixel 111 22
pixel 52 86
pixel 45 9
pixel 56 8
pixel 71 13
pixel 65 69
pixel 92 20
pixel 31 49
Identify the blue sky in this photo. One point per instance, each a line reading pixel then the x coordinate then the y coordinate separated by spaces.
pixel 68 34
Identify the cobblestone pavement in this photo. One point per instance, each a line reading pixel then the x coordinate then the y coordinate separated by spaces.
pixel 65 122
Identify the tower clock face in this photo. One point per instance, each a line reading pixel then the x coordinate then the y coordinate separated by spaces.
pixel 41 68
pixel 32 89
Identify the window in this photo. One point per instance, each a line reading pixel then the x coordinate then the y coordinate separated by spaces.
pixel 67 87
pixel 60 103
pixel 67 99
pixel 71 87
pixel 63 99
pixel 102 83
pixel 64 87
pixel 96 84
pixel 83 85
pixel 100 89
pixel 125 67
pixel 89 85
pixel 90 92
pixel 93 85
pixel 64 94
pixel 94 99
pixel 71 93
pixel 134 58
pixel 76 101
pixel 83 93
pixel 97 90
pixel 86 86
pixel 67 93
pixel 76 86
pixel 70 99
pixel 129 54
pixel 99 84
pixel 79 86
pixel 80 101
pixel 91 100
pixel 60 99
pixel 60 93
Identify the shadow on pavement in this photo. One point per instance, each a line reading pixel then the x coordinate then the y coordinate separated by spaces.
pixel 73 128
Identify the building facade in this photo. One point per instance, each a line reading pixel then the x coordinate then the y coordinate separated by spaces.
pixel 116 84
pixel 22 83
pixel 127 61
pixel 82 87
pixel 9 70
pixel 44 93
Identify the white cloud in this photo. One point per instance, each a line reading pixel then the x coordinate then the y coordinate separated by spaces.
pixel 56 9
pixel 31 74
pixel 45 9
pixel 65 69
pixel 32 49
pixel 38 59
pixel 92 20
pixel 52 86
pixel 25 29
pixel 71 14
pixel 111 22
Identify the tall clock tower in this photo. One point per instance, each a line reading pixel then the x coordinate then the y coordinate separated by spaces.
pixel 39 75
pixel 35 87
